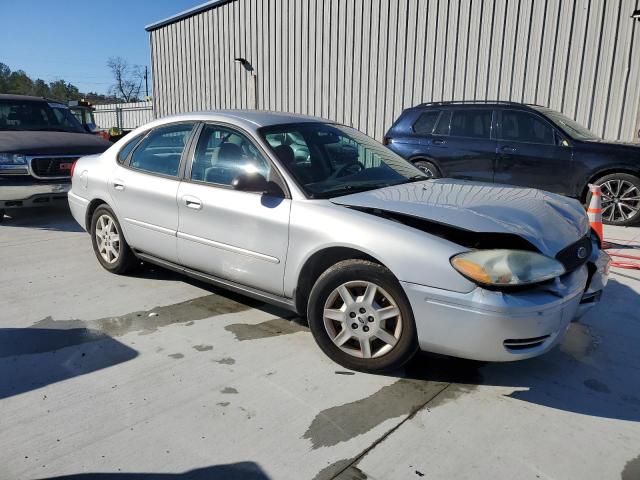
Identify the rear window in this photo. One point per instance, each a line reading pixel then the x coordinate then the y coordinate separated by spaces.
pixel 471 124
pixel 443 124
pixel 425 122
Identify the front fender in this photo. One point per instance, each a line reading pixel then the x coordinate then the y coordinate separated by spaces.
pixel 411 255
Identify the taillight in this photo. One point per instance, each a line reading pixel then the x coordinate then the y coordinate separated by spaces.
pixel 73 167
pixel 386 141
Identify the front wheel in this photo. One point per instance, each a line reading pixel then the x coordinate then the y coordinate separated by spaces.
pixel 361 318
pixel 620 199
pixel 109 244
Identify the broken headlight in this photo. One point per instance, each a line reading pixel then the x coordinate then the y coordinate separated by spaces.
pixel 506 268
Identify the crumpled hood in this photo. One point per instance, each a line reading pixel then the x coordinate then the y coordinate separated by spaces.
pixel 51 143
pixel 548 221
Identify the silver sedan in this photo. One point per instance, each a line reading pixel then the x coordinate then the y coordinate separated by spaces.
pixel 320 219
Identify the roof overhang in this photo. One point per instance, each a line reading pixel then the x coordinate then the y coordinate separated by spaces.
pixel 185 14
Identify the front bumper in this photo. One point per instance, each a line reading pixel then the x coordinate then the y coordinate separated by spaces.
pixel 504 326
pixel 18 193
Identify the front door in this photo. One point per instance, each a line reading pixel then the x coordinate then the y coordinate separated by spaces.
pixel 145 188
pixel 530 153
pixel 463 145
pixel 234 235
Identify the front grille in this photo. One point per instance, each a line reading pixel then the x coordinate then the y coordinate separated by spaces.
pixel 52 167
pixel 525 343
pixel 575 254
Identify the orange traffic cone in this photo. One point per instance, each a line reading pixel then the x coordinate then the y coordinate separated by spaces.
pixel 594 212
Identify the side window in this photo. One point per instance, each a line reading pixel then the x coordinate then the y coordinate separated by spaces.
pixel 471 123
pixel 425 122
pixel 161 150
pixel 525 127
pixel 126 150
pixel 222 154
pixel 443 124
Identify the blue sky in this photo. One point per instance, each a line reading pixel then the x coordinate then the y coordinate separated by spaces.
pixel 72 39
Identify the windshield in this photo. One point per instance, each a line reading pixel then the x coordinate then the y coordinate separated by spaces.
pixel 332 160
pixel 570 126
pixel 37 116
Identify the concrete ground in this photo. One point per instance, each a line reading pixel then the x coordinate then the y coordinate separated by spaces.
pixel 157 376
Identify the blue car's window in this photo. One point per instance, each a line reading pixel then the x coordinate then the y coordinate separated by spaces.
pixel 223 154
pixel 443 124
pixel 471 123
pixel 524 127
pixel 330 160
pixel 161 150
pixel 426 121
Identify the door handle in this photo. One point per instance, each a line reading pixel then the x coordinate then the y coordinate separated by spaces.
pixel 118 185
pixel 438 141
pixel 192 202
pixel 508 149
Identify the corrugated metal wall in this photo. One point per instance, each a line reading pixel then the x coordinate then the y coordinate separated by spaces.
pixel 362 61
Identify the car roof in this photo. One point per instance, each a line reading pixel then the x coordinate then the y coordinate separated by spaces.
pixel 250 119
pixel 487 103
pixel 28 98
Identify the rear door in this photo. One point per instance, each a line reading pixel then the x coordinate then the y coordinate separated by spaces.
pixel 531 153
pixel 144 188
pixel 463 144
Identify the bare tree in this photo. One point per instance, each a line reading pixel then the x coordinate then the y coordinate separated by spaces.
pixel 128 79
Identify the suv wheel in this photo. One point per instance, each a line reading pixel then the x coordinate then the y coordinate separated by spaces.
pixel 620 199
pixel 428 168
pixel 109 244
pixel 361 318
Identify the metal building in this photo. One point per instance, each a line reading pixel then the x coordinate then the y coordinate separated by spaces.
pixel 361 62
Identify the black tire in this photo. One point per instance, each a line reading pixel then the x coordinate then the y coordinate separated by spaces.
pixel 1 215
pixel 126 259
pixel 609 182
pixel 428 168
pixel 363 271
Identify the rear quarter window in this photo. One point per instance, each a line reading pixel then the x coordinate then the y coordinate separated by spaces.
pixel 425 122
pixel 127 149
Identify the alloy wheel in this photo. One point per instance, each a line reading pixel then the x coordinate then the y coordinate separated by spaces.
pixel 362 319
pixel 108 238
pixel 620 200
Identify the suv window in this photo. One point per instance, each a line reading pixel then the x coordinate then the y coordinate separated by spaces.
pixel 443 124
pixel 425 122
pixel 161 150
pixel 222 154
pixel 471 123
pixel 525 127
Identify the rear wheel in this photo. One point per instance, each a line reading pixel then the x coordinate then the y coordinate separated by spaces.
pixel 109 244
pixel 361 318
pixel 428 168
pixel 620 199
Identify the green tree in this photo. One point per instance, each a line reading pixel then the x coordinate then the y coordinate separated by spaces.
pixel 5 72
pixel 41 89
pixel 63 91
pixel 20 83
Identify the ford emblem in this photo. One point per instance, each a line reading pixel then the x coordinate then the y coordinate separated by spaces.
pixel 582 253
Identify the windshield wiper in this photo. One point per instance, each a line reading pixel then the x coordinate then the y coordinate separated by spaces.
pixel 348 189
pixel 416 178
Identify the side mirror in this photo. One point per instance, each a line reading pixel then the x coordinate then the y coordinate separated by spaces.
pixel 257 183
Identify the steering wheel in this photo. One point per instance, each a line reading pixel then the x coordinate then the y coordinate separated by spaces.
pixel 348 168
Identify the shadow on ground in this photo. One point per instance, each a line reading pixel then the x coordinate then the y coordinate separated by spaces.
pixel 231 471
pixel 54 218
pixel 595 371
pixel 32 358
